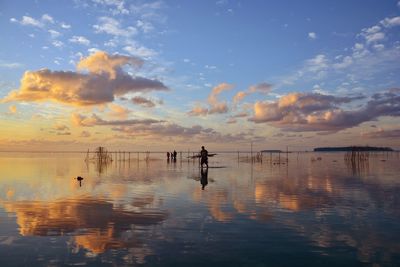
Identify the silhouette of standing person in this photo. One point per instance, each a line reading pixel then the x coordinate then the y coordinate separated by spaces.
pixel 203 157
pixel 175 153
pixel 167 156
pixel 204 178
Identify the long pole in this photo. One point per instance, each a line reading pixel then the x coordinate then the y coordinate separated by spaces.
pixel 251 151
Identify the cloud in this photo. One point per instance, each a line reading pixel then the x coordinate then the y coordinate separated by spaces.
pixel 383 134
pixel 391 22
pixel 316 64
pixel 116 7
pixel 198 111
pixel 144 102
pixel 167 129
pixel 14 65
pixel 231 121
pixel 54 34
pixel 102 63
pixel 47 18
pixel 195 132
pixel 240 115
pixel 85 134
pixel 374 37
pixel 263 88
pixel 145 26
pixel 103 80
pixel 113 27
pixel 215 106
pixel 347 61
pixel 64 133
pixel 139 50
pixel 57 43
pixel 316 112
pixel 60 127
pixel 65 26
pixel 312 35
pixel 95 120
pixel 79 40
pixel 118 111
pixel 28 21
pixel 12 109
pixel 239 96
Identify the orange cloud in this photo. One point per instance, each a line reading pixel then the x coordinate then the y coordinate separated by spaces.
pixel 104 80
pixel 239 97
pixel 101 62
pixel 215 106
pixel 12 109
pixel 118 111
pixel 263 88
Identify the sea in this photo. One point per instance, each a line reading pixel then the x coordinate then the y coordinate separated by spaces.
pixel 140 209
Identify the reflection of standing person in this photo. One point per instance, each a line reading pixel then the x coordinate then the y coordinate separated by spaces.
pixel 203 157
pixel 175 154
pixel 204 178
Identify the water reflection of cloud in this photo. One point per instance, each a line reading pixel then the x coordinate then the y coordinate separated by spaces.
pixel 97 225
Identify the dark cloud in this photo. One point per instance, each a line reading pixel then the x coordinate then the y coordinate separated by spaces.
pixel 195 132
pixel 95 120
pixel 142 101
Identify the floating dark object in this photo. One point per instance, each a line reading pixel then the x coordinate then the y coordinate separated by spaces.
pixel 80 180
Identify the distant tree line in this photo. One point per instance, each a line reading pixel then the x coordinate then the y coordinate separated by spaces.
pixel 351 148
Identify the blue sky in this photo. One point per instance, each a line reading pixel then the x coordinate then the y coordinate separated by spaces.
pixel 228 72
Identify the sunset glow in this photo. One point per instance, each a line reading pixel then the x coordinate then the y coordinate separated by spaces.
pixel 151 75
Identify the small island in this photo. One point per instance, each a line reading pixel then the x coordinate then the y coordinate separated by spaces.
pixel 351 148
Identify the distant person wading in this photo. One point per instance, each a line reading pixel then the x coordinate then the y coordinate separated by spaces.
pixel 203 157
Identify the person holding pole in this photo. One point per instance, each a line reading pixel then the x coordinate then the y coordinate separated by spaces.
pixel 203 157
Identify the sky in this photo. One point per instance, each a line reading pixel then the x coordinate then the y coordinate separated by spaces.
pixel 164 75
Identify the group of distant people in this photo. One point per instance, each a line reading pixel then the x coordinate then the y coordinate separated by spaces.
pixel 203 156
pixel 172 155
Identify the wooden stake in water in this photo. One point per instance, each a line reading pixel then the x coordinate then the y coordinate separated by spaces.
pixel 287 154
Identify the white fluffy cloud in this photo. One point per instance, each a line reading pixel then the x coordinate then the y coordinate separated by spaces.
pixel 113 27
pixel 79 40
pixel 312 35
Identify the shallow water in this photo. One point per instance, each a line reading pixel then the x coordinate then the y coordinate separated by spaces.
pixel 306 212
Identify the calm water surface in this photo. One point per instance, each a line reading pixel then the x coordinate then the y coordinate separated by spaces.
pixel 305 213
